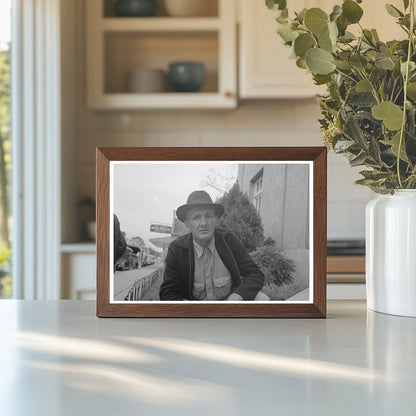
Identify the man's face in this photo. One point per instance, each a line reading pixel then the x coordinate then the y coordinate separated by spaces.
pixel 201 222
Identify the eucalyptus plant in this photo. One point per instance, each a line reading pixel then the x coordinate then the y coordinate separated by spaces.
pixel 369 111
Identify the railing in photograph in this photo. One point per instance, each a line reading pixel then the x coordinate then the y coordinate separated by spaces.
pixel 140 288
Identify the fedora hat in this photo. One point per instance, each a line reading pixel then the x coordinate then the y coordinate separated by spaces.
pixel 198 199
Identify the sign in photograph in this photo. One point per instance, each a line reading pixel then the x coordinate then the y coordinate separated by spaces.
pixel 160 228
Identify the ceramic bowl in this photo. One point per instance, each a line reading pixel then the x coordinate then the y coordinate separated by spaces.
pixel 135 8
pixel 147 80
pixel 186 76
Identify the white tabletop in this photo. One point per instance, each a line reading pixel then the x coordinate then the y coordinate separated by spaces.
pixel 57 358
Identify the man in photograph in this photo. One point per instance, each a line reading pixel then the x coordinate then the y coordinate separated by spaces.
pixel 209 263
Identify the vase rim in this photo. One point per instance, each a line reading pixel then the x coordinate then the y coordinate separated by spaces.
pixel 405 191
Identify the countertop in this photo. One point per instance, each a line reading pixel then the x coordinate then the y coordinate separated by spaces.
pixel 57 358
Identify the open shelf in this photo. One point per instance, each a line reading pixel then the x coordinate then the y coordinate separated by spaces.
pixel 160 24
pixel 118 45
pixel 127 51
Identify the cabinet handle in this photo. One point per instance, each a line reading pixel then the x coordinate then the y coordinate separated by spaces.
pixel 229 94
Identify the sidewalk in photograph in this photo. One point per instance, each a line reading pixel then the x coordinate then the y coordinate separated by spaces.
pixel 123 281
pixel 153 291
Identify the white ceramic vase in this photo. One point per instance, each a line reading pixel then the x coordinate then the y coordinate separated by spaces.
pixel 391 253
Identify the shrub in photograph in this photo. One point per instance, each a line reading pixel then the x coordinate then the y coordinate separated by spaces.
pixel 277 268
pixel 241 218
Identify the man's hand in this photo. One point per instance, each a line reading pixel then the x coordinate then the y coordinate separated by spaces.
pixel 235 296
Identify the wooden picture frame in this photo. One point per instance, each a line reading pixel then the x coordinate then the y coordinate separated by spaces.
pixel 112 163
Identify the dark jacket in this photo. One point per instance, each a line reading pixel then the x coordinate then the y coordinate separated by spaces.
pixel 178 279
pixel 120 244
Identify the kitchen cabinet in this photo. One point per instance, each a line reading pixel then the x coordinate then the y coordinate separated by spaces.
pixel 118 45
pixel 265 70
pixel 78 262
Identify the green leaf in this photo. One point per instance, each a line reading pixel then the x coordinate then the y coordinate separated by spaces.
pixel 405 21
pixel 333 32
pixel 336 12
pixel 358 61
pixel 406 4
pixel 343 145
pixel 396 70
pixel 382 89
pixel 325 42
pixel 319 61
pixel 301 15
pixel 412 67
pixel 281 19
pixel 368 36
pixel 316 20
pixel 276 4
pixel 351 11
pixel 358 160
pixel 303 43
pixel 301 63
pixel 321 79
pixel 342 25
pixel 287 33
pixel 384 62
pixel 375 35
pixel 374 150
pixel 374 174
pixel 391 114
pixel 394 143
pixel 411 90
pixel 353 131
pixel 334 92
pixel 393 11
pixel 347 37
pixel 362 99
pixel 365 182
pixel 411 123
pixel 344 65
pixel 363 86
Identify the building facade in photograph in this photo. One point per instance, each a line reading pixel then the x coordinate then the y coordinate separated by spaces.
pixel 280 193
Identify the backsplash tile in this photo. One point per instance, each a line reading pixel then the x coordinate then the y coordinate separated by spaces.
pixel 257 123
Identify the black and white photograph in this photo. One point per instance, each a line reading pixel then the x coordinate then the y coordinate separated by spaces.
pixel 211 231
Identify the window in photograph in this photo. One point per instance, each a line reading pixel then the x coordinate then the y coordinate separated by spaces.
pixel 256 190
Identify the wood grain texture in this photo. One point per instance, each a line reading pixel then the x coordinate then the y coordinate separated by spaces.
pixel 317 309
pixel 319 230
pixel 103 231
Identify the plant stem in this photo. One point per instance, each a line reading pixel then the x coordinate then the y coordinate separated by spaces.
pixel 373 88
pixel 346 75
pixel 405 81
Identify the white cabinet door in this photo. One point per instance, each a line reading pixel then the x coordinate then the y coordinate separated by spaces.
pixel 264 66
pixel 78 276
pixel 265 69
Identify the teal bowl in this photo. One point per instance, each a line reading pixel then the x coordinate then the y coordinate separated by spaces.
pixel 135 8
pixel 186 76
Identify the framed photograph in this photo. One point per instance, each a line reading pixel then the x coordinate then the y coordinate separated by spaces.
pixel 211 232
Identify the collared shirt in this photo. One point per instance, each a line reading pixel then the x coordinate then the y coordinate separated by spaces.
pixel 212 280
